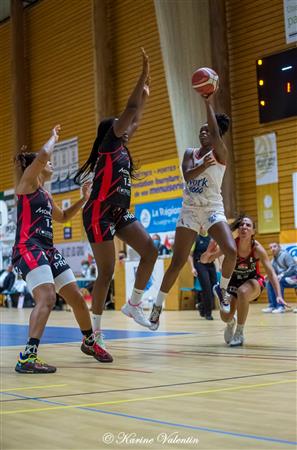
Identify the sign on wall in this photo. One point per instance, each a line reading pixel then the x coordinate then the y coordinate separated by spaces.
pixel 158 217
pixel 65 163
pixel 290 17
pixel 267 183
pixel 152 288
pixel 157 181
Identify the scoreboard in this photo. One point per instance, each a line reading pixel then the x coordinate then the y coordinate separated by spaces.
pixel 277 85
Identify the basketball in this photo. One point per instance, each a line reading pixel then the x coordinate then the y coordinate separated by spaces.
pixel 205 81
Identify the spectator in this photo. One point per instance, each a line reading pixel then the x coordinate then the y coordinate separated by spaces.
pixel 206 274
pixel 285 268
pixel 8 279
pixel 162 250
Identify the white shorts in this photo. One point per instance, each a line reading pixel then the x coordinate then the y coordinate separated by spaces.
pixel 194 218
pixel 43 275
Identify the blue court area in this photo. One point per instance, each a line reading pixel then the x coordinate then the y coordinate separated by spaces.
pixel 13 334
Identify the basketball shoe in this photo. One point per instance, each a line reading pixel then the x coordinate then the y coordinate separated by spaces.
pixel 98 349
pixel 33 364
pixel 136 312
pixel 223 297
pixel 155 317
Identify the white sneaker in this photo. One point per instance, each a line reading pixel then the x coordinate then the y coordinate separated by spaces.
pixel 291 280
pixel 237 340
pixel 279 310
pixel 136 312
pixel 295 310
pixel 269 309
pixel 229 330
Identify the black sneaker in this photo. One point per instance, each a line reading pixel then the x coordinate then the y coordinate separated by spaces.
pixel 33 364
pixel 223 298
pixel 155 317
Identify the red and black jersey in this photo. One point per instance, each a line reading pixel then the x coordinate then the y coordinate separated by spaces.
pixel 34 221
pixel 246 268
pixel 112 180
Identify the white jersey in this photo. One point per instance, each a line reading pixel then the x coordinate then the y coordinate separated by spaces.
pixel 205 189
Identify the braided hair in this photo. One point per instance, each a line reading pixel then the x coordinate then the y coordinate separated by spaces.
pixel 89 166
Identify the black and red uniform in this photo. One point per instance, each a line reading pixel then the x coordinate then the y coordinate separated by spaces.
pixel 246 268
pixel 107 209
pixel 34 235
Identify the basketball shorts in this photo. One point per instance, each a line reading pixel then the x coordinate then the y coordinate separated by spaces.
pixel 103 220
pixel 235 284
pixel 194 218
pixel 40 266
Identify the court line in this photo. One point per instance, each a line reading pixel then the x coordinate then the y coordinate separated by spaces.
pixel 186 383
pixel 157 397
pixel 33 387
pixel 179 425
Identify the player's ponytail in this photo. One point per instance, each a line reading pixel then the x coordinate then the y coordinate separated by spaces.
pixel 23 160
pixel 90 164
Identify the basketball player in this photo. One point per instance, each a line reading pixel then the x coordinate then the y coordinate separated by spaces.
pixel 39 262
pixel 246 283
pixel 106 213
pixel 203 170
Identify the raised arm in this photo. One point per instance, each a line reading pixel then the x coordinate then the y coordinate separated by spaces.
pixel 262 255
pixel 189 170
pixel 135 103
pixel 63 215
pixel 136 120
pixel 221 152
pixel 29 178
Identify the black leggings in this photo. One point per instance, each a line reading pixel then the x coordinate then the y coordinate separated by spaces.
pixel 207 276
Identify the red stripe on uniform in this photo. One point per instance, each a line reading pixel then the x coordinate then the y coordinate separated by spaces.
pixel 106 180
pixel 24 234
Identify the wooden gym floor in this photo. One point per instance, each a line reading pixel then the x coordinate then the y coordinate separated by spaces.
pixel 179 388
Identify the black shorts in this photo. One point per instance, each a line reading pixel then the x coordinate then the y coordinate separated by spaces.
pixel 26 258
pixel 234 284
pixel 102 220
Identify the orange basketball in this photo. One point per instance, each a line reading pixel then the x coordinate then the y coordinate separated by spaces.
pixel 205 81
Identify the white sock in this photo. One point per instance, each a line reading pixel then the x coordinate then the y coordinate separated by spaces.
pixel 160 298
pixel 239 328
pixel 224 282
pixel 96 322
pixel 136 296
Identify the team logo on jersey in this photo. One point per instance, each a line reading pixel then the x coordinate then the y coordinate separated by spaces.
pixel 198 186
pixel 43 211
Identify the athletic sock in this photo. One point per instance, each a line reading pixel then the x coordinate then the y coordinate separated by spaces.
pixel 89 336
pixel 239 328
pixel 160 298
pixel 224 282
pixel 31 347
pixel 96 322
pixel 136 296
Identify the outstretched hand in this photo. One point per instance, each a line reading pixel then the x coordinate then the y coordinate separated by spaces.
pixel 55 132
pixel 208 161
pixel 86 190
pixel 145 64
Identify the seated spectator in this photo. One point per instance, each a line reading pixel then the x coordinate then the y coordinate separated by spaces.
pixel 162 250
pixel 285 267
pixel 8 279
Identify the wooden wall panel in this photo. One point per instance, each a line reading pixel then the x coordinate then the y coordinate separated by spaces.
pixel 6 138
pixel 61 88
pixel 133 25
pixel 256 29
